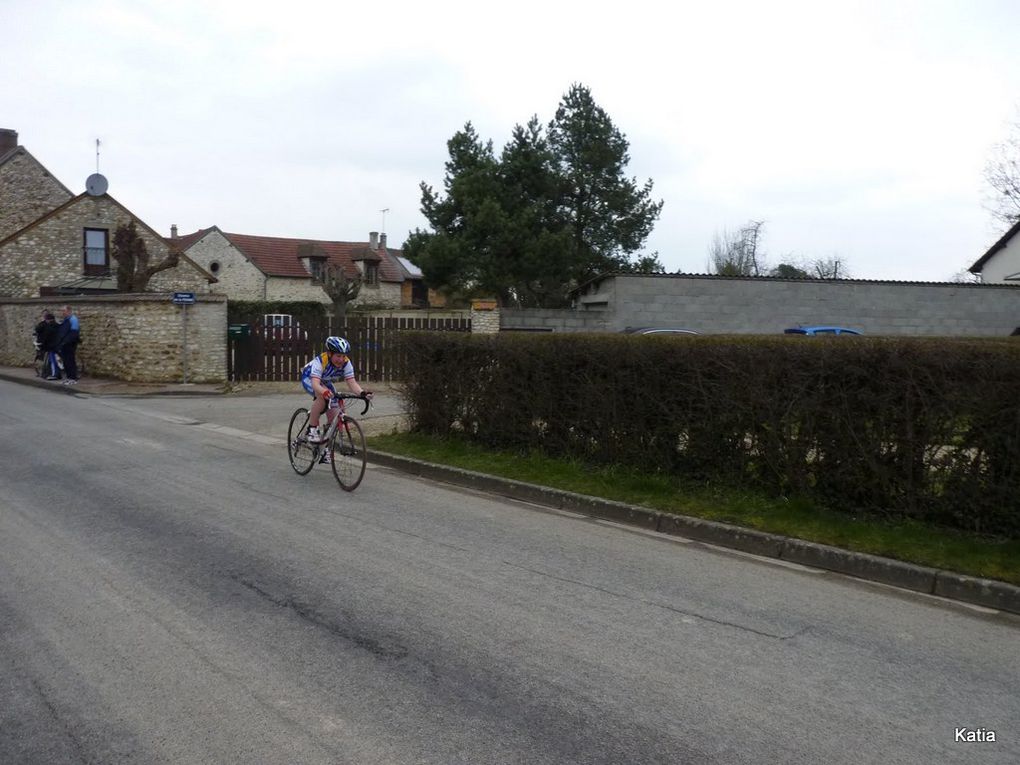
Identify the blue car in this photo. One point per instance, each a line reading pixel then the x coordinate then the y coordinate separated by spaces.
pixel 821 331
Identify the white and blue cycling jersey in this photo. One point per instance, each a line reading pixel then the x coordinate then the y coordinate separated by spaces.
pixel 322 368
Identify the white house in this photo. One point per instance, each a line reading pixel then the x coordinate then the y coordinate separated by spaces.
pixel 1001 264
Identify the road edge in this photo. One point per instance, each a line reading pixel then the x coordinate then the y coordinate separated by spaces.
pixel 988 593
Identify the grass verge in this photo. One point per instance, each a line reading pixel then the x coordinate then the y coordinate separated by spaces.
pixel 948 549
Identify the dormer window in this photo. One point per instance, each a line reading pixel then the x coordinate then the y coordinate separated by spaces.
pixel 316 267
pixel 371 273
pixel 313 259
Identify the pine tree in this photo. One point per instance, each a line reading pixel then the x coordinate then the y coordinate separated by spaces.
pixel 554 209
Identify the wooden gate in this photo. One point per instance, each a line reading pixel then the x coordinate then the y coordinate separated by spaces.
pixel 277 354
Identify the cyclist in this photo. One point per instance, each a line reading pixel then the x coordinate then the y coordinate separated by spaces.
pixel 317 378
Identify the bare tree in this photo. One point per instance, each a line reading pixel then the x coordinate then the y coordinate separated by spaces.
pixel 829 268
pixel 340 288
pixel 132 256
pixel 966 277
pixel 1002 173
pixel 737 254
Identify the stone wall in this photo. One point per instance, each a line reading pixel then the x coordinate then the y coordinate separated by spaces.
pixel 51 253
pixel 27 192
pixel 139 338
pixel 484 317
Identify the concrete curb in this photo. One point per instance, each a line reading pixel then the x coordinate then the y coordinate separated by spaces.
pixel 967 589
pixel 101 387
pixel 38 382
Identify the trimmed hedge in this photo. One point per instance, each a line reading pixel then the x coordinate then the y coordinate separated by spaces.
pixel 907 427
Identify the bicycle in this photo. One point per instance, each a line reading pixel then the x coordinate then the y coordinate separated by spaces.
pixel 344 437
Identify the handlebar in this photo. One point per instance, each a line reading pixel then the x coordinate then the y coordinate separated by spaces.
pixel 354 396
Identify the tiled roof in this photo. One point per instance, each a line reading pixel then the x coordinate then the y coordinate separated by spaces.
pixel 276 256
pixel 184 242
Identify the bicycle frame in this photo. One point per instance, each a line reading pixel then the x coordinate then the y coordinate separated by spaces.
pixel 347 459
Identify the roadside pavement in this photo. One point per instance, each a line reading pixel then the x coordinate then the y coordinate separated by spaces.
pixel 262 410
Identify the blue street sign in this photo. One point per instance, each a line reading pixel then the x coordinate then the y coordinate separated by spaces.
pixel 184 298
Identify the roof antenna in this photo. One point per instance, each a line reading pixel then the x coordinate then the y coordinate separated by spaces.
pixel 384 211
pixel 96 185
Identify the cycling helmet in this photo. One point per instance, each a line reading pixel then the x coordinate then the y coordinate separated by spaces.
pixel 337 345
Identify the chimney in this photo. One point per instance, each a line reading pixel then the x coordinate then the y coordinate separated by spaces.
pixel 8 140
pixel 173 231
pixel 373 240
pixel 382 241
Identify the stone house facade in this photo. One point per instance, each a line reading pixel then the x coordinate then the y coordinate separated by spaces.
pixel 251 267
pixel 54 242
pixel 46 256
pixel 27 189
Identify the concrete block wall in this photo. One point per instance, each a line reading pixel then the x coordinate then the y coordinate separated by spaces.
pixel 536 319
pixel 138 338
pixel 720 305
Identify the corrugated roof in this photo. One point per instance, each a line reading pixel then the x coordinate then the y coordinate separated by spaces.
pixel 806 280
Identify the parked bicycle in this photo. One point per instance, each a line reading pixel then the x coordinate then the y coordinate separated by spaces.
pixel 343 438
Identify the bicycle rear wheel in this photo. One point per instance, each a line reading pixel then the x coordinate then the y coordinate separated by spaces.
pixel 349 454
pixel 302 454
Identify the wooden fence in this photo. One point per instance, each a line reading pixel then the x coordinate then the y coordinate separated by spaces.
pixel 277 354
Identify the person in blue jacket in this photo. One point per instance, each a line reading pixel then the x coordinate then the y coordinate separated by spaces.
pixel 68 336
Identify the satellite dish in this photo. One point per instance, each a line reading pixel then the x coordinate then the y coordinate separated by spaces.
pixel 96 185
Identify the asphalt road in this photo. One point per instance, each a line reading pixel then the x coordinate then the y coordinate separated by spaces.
pixel 171 591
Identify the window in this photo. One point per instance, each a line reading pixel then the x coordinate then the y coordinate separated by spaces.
pixel 317 268
pixel 214 267
pixel 371 273
pixel 97 252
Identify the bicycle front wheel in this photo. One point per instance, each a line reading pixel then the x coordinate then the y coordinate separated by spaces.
pixel 349 454
pixel 302 454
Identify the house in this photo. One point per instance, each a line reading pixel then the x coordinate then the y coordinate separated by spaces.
pixel 251 267
pixel 1001 264
pixel 27 189
pixel 53 242
pixel 414 293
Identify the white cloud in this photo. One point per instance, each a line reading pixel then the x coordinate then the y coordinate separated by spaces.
pixel 852 127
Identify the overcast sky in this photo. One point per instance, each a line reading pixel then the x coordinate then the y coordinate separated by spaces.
pixel 856 130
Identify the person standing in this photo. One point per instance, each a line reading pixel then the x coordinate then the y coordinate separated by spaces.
pixel 46 341
pixel 68 336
